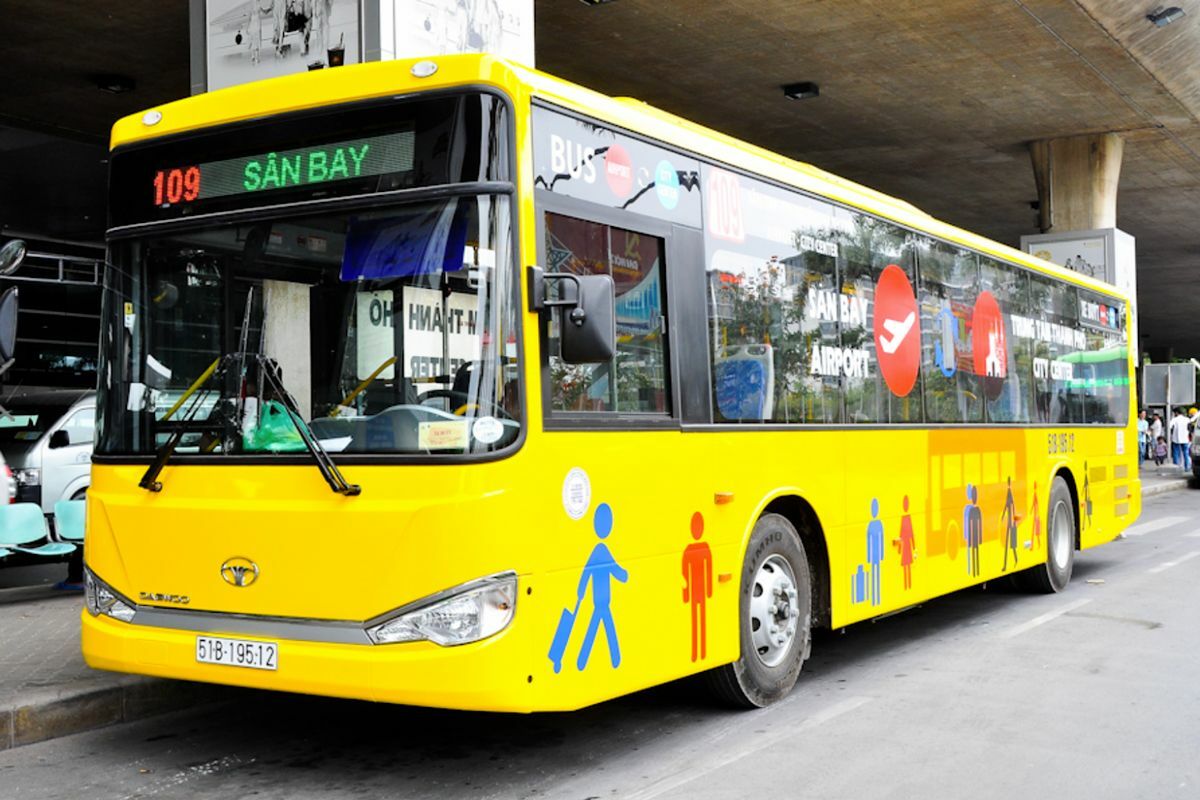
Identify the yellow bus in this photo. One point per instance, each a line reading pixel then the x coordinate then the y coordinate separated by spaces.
pixel 446 382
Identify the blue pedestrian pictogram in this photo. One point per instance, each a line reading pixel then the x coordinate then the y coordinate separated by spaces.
pixel 600 570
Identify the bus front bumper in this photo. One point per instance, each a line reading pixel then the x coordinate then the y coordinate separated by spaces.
pixel 490 675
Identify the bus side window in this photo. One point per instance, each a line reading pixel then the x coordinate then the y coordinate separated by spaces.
pixel 949 281
pixel 1007 393
pixel 774 304
pixel 890 390
pixel 634 382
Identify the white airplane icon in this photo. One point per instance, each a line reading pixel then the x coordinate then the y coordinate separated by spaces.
pixel 898 331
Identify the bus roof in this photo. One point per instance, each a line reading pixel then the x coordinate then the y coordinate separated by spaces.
pixel 320 88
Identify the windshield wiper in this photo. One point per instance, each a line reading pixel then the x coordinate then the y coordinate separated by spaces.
pixel 149 480
pixel 268 371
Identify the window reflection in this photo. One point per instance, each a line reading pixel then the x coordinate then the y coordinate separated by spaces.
pixel 635 380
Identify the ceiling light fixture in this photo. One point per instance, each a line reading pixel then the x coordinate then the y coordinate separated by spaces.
pixel 1163 17
pixel 799 91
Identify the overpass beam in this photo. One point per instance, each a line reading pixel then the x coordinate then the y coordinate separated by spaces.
pixel 1077 181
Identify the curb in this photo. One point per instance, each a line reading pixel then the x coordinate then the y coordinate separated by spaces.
pixel 1165 486
pixel 56 714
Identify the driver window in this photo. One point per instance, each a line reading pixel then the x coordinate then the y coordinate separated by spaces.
pixel 635 380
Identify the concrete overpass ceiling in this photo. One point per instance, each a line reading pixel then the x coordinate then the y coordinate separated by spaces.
pixel 934 102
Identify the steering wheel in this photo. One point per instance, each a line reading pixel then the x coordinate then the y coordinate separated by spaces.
pixel 463 403
pixel 456 398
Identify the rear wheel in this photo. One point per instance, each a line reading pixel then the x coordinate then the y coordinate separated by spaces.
pixel 1055 574
pixel 775 613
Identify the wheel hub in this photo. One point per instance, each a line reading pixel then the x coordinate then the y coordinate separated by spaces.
pixel 774 610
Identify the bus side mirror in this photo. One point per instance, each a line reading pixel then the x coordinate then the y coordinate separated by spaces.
pixel 11 256
pixel 588 328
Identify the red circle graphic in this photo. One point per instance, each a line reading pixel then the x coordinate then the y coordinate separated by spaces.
pixel 618 170
pixel 897 326
pixel 989 344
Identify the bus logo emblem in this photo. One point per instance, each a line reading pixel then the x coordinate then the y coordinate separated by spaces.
pixel 239 572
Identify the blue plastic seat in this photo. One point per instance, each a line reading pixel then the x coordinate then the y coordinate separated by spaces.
pixel 69 519
pixel 23 524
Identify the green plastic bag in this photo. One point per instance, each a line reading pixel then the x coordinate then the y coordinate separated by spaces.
pixel 274 433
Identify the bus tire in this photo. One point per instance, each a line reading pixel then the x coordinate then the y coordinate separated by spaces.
pixel 1054 575
pixel 775 618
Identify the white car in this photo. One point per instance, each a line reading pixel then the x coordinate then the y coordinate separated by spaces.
pixel 46 438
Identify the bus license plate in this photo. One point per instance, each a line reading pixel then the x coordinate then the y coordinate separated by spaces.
pixel 237 652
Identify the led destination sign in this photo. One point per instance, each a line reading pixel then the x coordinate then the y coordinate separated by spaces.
pixel 287 169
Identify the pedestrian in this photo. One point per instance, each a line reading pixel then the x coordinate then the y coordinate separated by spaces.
pixel 1160 451
pixel 1156 427
pixel 1180 455
pixel 1143 429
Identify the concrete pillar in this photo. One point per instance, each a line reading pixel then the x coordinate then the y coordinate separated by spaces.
pixel 286 337
pixel 1077 181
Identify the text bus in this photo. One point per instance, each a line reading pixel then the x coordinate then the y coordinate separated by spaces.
pixel 738 398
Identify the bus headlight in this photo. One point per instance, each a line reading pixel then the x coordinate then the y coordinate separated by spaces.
pixel 100 598
pixel 462 615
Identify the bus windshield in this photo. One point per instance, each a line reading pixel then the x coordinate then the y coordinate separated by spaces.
pixel 393 329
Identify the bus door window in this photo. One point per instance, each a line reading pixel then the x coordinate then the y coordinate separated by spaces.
pixel 635 380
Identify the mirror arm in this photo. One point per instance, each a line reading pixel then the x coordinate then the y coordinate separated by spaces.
pixel 537 293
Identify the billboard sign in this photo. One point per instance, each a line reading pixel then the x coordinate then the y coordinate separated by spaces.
pixel 415 28
pixel 249 40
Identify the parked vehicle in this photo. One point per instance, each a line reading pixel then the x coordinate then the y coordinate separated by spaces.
pixel 8 483
pixel 46 438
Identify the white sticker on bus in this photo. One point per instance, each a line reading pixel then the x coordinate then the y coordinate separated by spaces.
pixel 487 430
pixel 576 493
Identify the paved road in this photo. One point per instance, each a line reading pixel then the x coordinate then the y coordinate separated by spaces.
pixel 1094 693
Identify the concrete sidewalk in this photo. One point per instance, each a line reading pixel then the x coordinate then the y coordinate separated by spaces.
pixel 1166 478
pixel 47 691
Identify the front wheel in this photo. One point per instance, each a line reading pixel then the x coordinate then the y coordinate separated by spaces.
pixel 775 618
pixel 1055 574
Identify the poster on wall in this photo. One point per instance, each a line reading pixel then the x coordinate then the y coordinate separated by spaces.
pixel 249 40
pixel 414 28
pixel 1087 256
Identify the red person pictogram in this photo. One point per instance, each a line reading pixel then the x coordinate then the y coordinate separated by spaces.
pixel 906 545
pixel 698 584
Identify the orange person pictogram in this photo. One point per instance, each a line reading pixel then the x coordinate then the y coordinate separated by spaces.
pixel 698 584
